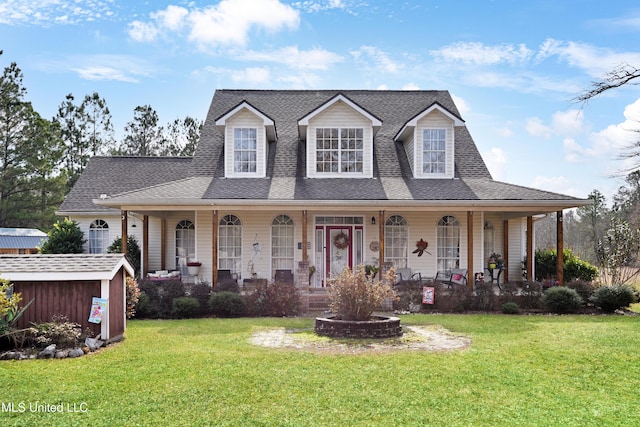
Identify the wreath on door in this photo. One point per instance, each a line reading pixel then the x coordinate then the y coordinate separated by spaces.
pixel 341 240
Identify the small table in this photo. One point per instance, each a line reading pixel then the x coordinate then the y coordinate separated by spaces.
pixel 494 275
pixel 251 284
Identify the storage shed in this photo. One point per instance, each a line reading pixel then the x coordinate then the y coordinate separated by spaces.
pixel 21 240
pixel 66 284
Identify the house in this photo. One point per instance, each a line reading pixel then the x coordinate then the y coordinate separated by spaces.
pixel 21 240
pixel 294 179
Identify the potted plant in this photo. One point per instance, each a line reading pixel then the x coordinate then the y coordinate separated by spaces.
pixel 495 261
pixel 194 267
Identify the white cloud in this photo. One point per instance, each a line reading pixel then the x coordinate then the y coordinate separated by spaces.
pixel 496 161
pixel 506 132
pixel 556 184
pixel 320 6
pixel 411 86
pixel 462 105
pixel 143 31
pixel 536 127
pixel 61 12
pixel 226 24
pixel 123 68
pixel 479 53
pixel 103 73
pixel 252 75
pixel 380 59
pixel 314 59
pixel 568 123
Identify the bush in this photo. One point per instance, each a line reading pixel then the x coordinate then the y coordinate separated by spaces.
pixel 276 299
pixel 133 251
pixel 574 267
pixel 133 296
pixel 485 297
pixel 59 331
pixel 561 299
pixel 227 285
pixel 409 296
pixel 185 307
pixel 156 300
pixel 510 308
pixel 64 238
pixel 202 292
pixel 227 304
pixel 584 289
pixel 613 297
pixel 531 294
pixel 354 296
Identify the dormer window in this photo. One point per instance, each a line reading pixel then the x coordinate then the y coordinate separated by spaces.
pixel 434 151
pixel 247 132
pixel 245 150
pixel 428 139
pixel 339 150
pixel 339 136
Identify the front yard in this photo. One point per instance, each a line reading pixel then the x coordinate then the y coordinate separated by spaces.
pixel 518 370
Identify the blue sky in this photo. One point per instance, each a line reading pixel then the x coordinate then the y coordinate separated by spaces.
pixel 513 67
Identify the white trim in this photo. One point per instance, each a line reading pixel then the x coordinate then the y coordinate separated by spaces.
pixel 305 120
pixel 414 121
pixel 104 323
pixel 244 106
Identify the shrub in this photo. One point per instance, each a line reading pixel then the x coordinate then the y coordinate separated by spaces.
pixel 227 304
pixel 485 297
pixel 9 311
pixel 145 307
pixel 613 297
pixel 574 267
pixel 510 308
pixel 531 294
pixel 275 299
pixel 227 285
pixel 408 296
pixel 201 292
pixel 354 296
pixel 185 307
pixel 158 302
pixel 561 299
pixel 133 296
pixel 584 289
pixel 64 238
pixel 59 331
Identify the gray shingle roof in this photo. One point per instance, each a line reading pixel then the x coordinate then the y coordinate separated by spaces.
pixel 36 266
pixel 152 179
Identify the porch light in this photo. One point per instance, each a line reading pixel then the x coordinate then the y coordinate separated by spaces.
pixel 373 220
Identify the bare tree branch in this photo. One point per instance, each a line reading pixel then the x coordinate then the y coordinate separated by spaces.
pixel 619 76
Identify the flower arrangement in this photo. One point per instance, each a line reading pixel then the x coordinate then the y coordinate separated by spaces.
pixel 495 261
pixel 194 264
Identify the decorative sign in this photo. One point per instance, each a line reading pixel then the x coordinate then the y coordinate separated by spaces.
pixel 98 309
pixel 428 295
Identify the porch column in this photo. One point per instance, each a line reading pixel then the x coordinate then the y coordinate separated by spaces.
pixel 163 244
pixel 125 230
pixel 505 250
pixel 304 236
pixel 381 239
pixel 530 253
pixel 145 246
pixel 470 272
pixel 560 246
pixel 214 248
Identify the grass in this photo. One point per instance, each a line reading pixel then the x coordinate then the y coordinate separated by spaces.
pixel 519 370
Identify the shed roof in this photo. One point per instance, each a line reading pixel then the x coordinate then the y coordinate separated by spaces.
pixel 21 238
pixel 58 267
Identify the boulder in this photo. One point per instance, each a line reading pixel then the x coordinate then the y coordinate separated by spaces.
pixel 48 353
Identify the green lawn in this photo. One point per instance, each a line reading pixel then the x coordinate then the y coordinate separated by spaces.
pixel 520 370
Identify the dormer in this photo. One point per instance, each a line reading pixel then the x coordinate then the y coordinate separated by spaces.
pixel 246 133
pixel 339 136
pixel 428 140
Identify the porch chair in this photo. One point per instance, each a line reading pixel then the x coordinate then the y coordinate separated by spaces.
pixel 455 276
pixel 284 276
pixel 405 274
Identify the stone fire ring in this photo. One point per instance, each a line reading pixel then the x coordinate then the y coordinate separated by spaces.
pixel 377 327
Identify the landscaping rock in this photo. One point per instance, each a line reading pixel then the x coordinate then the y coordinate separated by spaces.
pixel 48 353
pixel 76 352
pixel 61 354
pixel 10 355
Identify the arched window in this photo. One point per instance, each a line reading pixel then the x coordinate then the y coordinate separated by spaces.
pixel 396 237
pixel 185 242
pixel 448 241
pixel 230 244
pixel 98 237
pixel 282 245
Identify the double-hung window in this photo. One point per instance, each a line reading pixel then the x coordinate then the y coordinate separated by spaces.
pixel 245 150
pixel 434 151
pixel 339 150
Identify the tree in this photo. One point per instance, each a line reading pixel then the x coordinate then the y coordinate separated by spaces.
pixel 617 252
pixel 86 130
pixel 621 75
pixel 30 152
pixel 592 223
pixel 64 238
pixel 144 137
pixel 133 251
pixel 182 137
